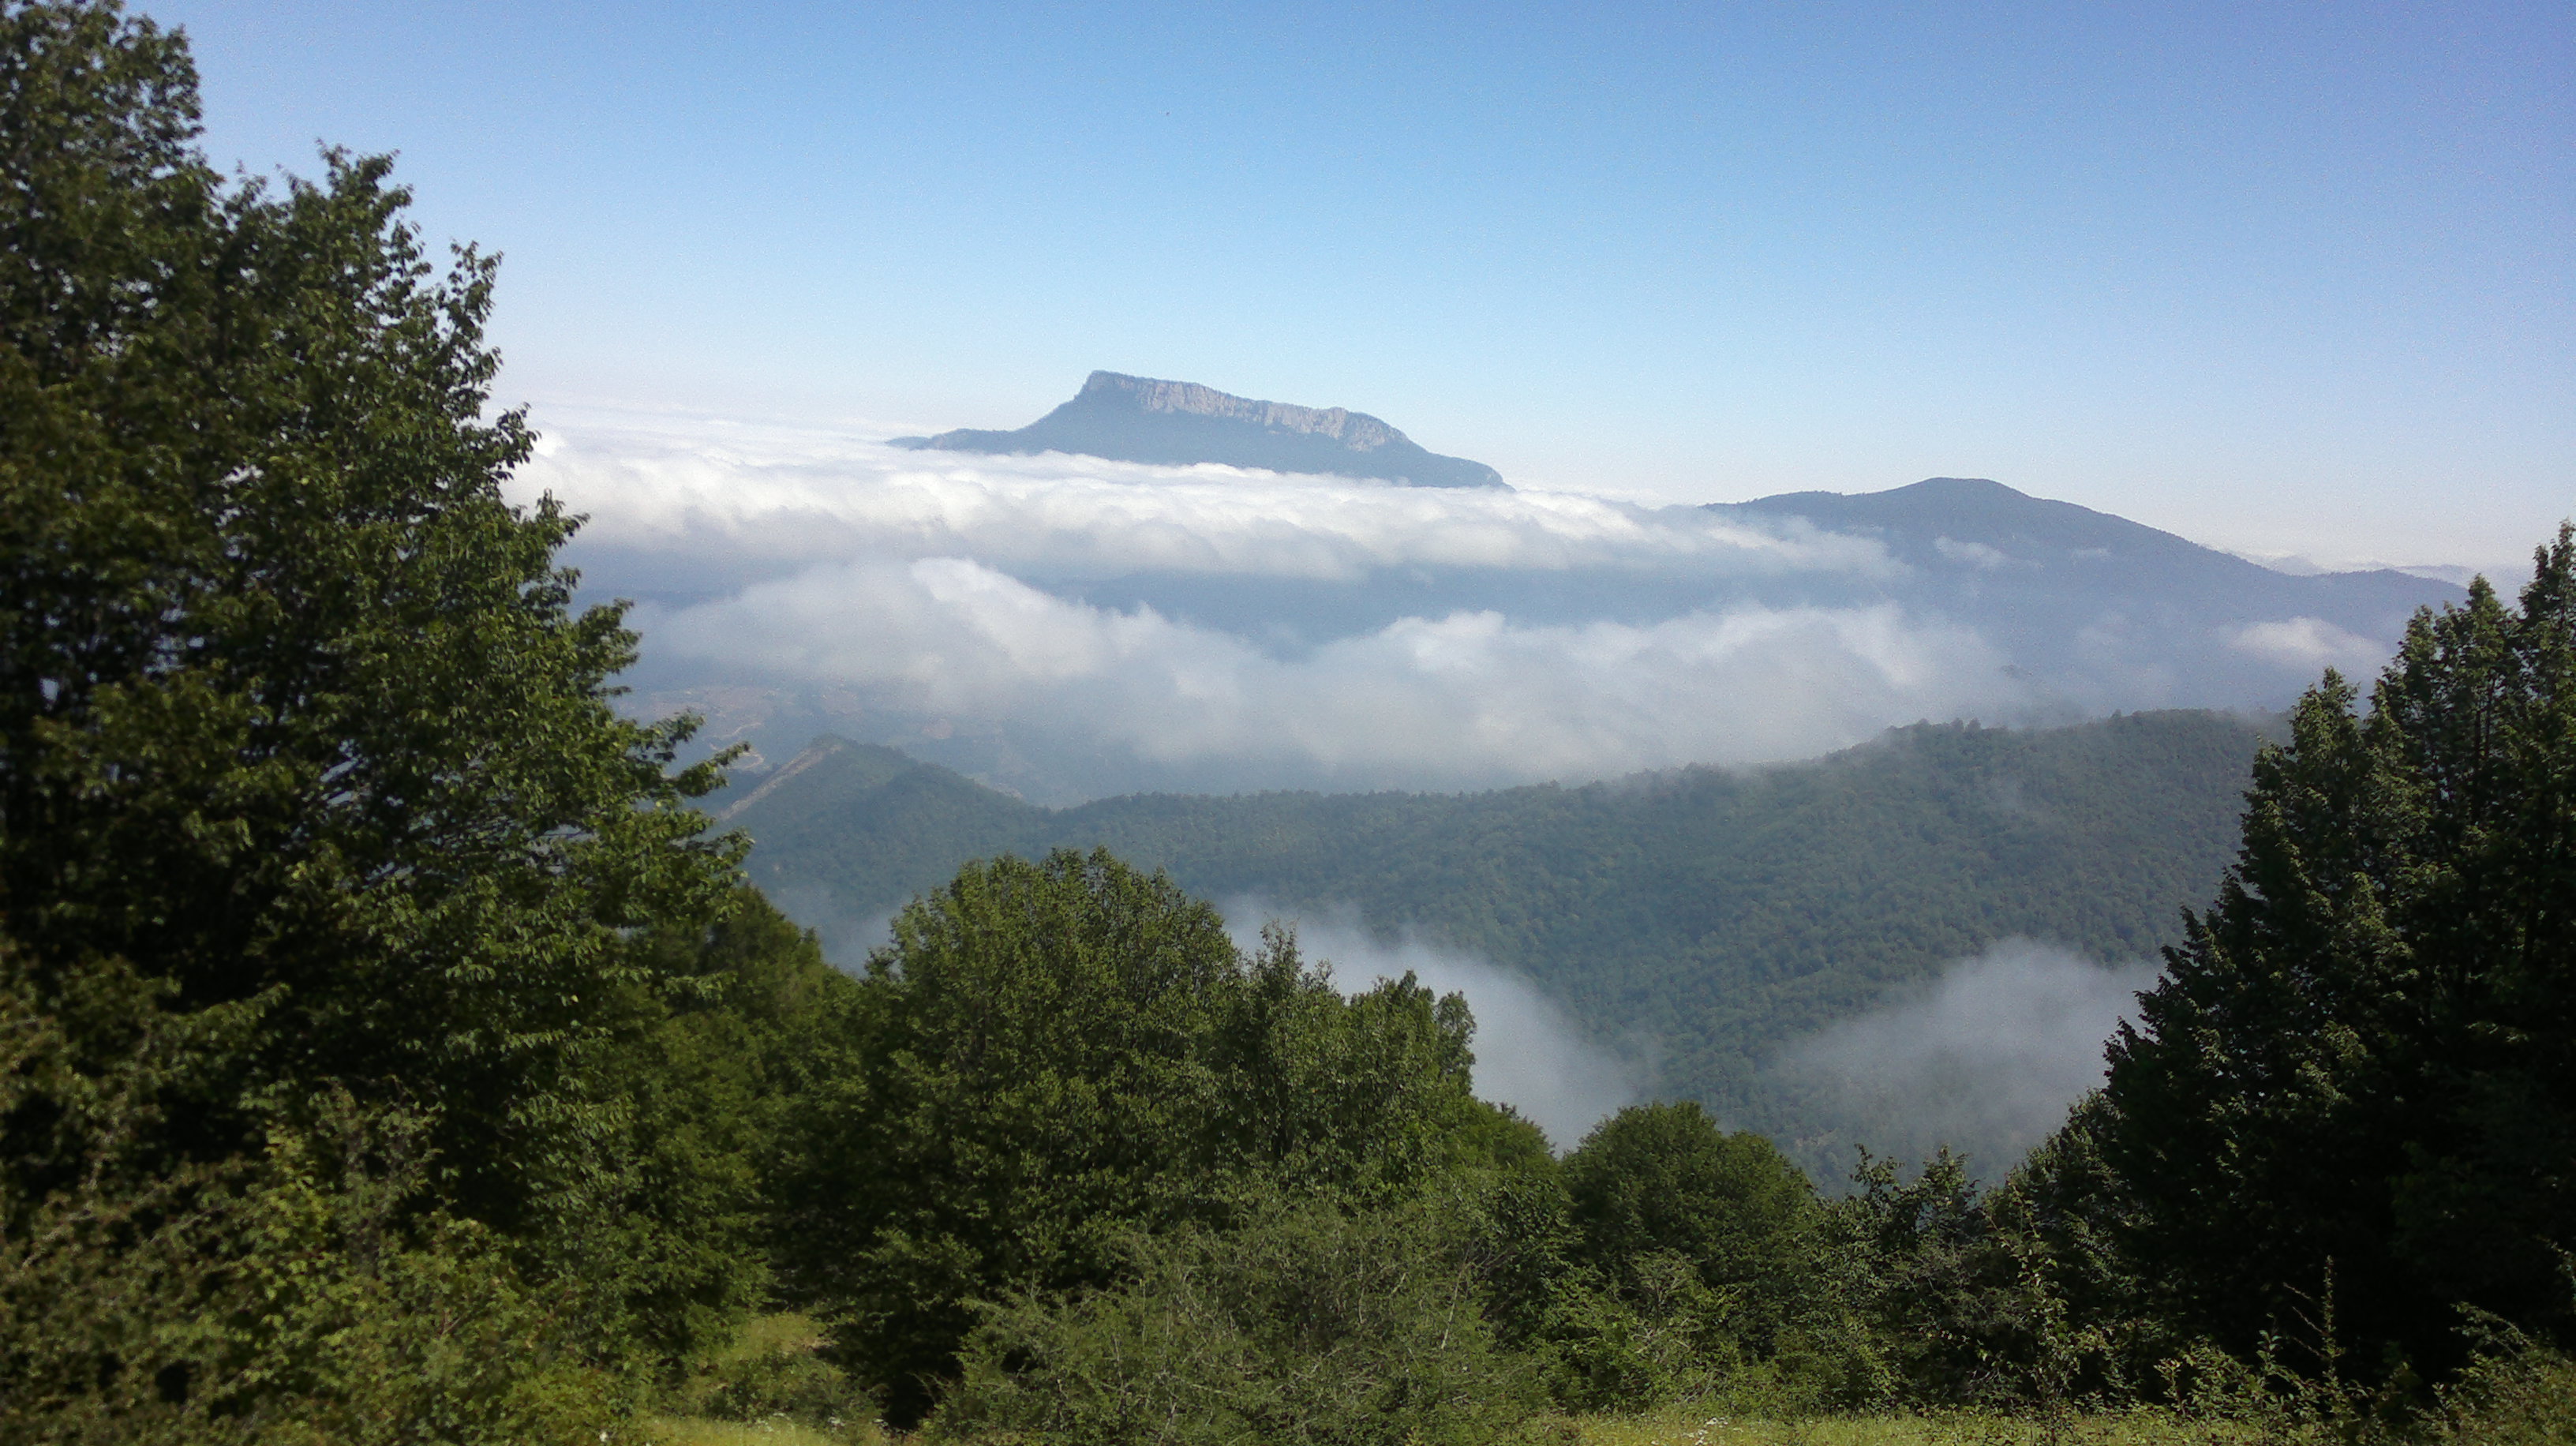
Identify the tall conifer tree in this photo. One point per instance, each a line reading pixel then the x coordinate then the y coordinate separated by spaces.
pixel 2356 1086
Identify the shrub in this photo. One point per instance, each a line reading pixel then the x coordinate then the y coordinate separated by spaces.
pixel 1303 1325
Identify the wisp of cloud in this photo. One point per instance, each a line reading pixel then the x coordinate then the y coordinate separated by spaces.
pixel 1530 1054
pixel 1985 1059
pixel 1461 700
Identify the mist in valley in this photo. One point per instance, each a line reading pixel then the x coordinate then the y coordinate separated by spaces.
pixel 1531 1054
pixel 1985 1058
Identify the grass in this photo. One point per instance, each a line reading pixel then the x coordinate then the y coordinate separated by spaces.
pixel 1691 1428
pixel 2524 1401
pixel 1676 1426
pixel 771 1376
pixel 1688 1426
pixel 699 1431
pixel 785 1331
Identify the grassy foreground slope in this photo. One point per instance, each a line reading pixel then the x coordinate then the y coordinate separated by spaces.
pixel 1698 917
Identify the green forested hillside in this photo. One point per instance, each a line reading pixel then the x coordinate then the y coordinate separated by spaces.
pixel 1698 917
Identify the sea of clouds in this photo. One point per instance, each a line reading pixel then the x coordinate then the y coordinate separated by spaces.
pixel 741 502
pixel 1071 627
pixel 1099 625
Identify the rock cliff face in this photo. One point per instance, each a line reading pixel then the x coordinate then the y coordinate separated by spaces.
pixel 1143 419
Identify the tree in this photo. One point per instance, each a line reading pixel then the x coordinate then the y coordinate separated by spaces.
pixel 710 1060
pixel 2014 1298
pixel 1053 1056
pixel 1663 1180
pixel 296 710
pixel 2355 1088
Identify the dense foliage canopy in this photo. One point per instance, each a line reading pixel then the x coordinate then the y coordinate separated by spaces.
pixel 1663 1181
pixel 294 708
pixel 2356 1088
pixel 1053 1055
pixel 316 821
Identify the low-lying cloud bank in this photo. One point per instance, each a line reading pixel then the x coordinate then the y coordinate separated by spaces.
pixel 1986 1059
pixel 1530 1054
pixel 1470 698
pixel 740 503
pixel 1070 627
pixel 2310 645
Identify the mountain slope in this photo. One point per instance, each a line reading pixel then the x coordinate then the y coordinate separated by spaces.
pixel 1977 544
pixel 1989 526
pixel 1702 917
pixel 1143 419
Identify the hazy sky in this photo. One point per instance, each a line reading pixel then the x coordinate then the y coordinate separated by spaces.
pixel 2281 277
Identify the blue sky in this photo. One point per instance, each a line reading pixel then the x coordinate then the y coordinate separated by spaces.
pixel 2288 278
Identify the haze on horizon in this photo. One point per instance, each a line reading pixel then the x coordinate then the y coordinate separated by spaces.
pixel 2289 281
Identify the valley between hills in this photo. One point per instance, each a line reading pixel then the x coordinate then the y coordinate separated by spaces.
pixel 1692 922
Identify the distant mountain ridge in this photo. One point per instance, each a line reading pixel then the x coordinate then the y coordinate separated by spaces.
pixel 2061 588
pixel 1148 419
pixel 1977 512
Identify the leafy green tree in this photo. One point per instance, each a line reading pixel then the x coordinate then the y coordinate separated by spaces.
pixel 2008 1299
pixel 1053 1055
pixel 296 712
pixel 2062 1221
pixel 1025 1076
pixel 708 1065
pixel 294 1295
pixel 1663 1180
pixel 1923 1264
pixel 2356 1086
pixel 1361 1097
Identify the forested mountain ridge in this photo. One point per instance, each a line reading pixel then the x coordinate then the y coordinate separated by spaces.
pixel 1702 916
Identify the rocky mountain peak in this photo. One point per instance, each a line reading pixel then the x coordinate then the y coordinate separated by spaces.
pixel 1152 419
pixel 1356 430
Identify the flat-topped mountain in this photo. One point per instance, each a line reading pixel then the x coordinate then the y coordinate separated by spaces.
pixel 1142 419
